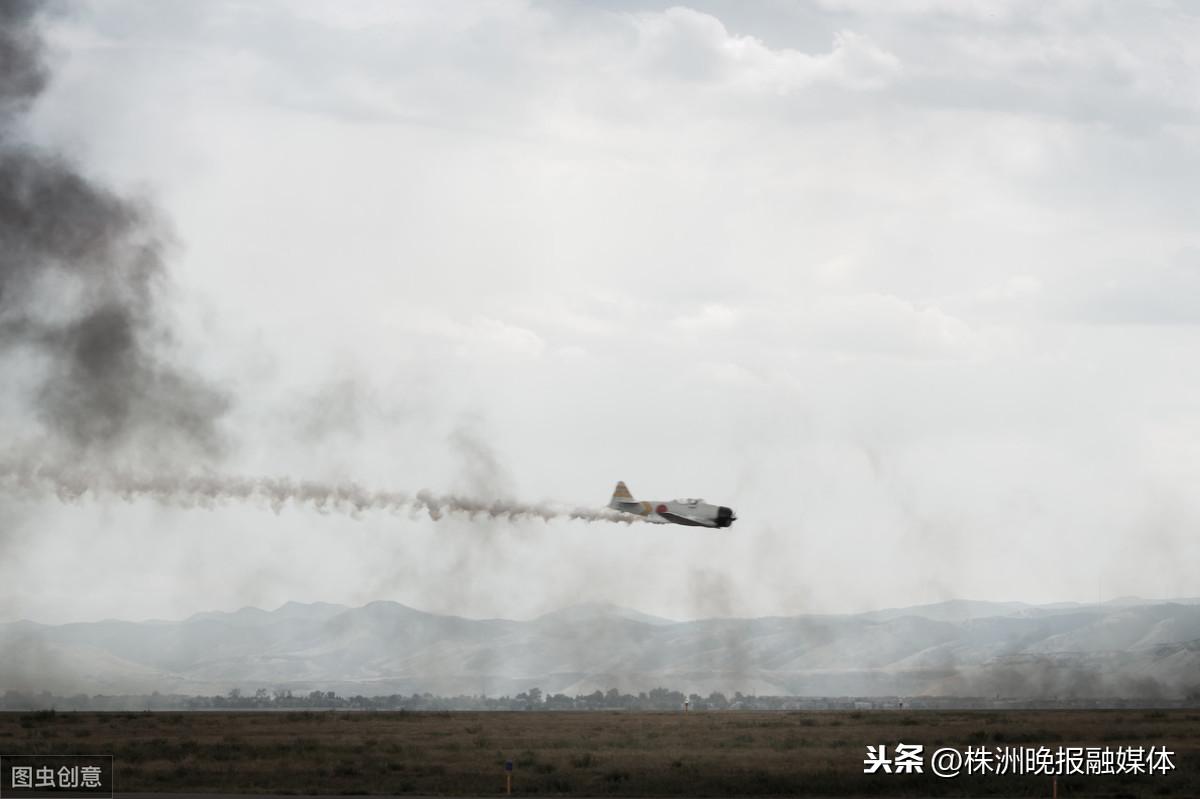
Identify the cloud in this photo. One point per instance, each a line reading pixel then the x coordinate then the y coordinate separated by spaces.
pixel 1131 293
pixel 693 46
pixel 481 337
pixel 711 316
pixel 884 323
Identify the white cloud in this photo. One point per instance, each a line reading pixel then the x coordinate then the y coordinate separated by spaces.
pixel 690 45
pixel 889 324
pixel 712 316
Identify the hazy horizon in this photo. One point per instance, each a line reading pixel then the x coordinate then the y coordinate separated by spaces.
pixel 599 604
pixel 1116 650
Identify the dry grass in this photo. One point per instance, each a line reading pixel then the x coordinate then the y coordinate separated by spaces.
pixel 627 754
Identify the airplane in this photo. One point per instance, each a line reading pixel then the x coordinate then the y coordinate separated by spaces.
pixel 690 512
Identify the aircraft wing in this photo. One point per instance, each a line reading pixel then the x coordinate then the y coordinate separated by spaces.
pixel 689 521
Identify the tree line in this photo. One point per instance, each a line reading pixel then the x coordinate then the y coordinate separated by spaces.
pixel 657 699
pixel 286 699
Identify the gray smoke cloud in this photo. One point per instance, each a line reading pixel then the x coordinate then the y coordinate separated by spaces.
pixel 72 484
pixel 82 275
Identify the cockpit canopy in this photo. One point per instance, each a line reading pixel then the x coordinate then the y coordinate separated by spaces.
pixel 689 501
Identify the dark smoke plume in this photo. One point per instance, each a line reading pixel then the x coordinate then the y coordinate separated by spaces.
pixel 81 276
pixel 210 490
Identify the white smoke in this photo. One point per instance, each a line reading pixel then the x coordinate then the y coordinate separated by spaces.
pixel 209 490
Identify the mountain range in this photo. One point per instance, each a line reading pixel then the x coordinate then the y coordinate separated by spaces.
pixel 1127 648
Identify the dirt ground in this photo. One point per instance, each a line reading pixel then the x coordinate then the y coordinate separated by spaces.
pixel 596 753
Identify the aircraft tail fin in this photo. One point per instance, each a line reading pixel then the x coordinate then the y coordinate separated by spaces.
pixel 621 498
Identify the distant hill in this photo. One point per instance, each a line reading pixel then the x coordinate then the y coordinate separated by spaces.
pixel 1131 648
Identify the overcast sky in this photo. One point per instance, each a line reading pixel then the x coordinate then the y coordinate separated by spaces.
pixel 913 286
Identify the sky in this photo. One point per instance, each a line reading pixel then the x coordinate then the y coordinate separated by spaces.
pixel 913 286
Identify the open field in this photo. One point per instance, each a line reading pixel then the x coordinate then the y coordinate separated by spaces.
pixel 592 753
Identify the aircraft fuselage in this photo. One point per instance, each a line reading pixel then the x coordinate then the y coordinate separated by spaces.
pixel 688 512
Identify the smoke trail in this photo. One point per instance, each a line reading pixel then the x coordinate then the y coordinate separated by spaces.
pixel 211 490
pixel 81 273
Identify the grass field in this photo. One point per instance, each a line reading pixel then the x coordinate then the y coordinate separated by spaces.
pixel 592 754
